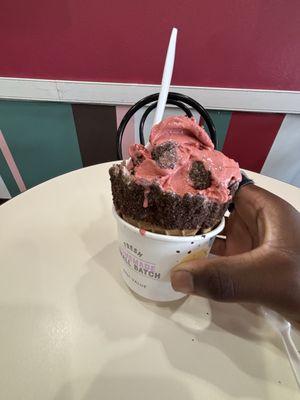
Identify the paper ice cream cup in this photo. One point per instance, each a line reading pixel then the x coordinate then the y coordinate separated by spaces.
pixel 147 258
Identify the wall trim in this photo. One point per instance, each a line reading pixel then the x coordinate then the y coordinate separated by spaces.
pixel 259 100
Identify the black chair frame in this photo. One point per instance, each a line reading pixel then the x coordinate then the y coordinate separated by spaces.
pixel 180 100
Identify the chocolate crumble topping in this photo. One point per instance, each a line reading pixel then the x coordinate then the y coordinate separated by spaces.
pixel 200 176
pixel 165 155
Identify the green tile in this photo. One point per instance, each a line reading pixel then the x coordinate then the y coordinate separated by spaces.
pixel 42 139
pixel 8 177
pixel 221 120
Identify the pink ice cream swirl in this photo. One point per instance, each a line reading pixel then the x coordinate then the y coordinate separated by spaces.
pixel 178 147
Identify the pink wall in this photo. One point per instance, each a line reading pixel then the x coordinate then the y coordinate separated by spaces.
pixel 225 43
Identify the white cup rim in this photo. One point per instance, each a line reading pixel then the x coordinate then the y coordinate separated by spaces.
pixel 168 238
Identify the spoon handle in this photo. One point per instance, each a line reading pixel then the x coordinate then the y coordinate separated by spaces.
pixel 292 353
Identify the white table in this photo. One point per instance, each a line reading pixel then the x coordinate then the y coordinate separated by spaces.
pixel 71 329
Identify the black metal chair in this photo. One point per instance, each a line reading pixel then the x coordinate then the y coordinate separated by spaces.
pixel 177 99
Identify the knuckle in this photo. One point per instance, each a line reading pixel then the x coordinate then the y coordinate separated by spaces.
pixel 219 285
pixel 293 277
pixel 284 292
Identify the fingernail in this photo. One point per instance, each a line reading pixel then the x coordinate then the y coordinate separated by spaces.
pixel 182 281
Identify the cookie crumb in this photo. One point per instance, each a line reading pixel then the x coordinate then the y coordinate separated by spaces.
pixel 200 176
pixel 165 155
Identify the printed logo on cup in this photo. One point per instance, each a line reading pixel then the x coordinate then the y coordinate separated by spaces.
pixel 139 265
pixel 148 258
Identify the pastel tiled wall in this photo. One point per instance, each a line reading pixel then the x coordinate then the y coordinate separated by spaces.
pixel 41 140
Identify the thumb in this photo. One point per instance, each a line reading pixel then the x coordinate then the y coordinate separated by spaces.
pixel 233 278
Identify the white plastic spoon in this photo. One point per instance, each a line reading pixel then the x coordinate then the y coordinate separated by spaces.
pixel 166 78
pixel 283 327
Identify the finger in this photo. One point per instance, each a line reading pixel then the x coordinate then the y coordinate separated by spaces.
pixel 223 278
pixel 219 247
